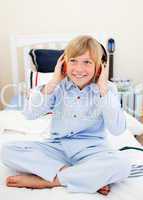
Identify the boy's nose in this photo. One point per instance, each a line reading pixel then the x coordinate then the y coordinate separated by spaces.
pixel 79 67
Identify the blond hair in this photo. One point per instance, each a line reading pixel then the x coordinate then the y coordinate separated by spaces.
pixel 82 44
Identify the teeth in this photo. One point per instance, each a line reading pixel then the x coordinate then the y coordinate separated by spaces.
pixel 78 76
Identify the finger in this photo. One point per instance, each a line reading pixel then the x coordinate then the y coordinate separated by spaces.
pixel 104 71
pixel 59 65
pixel 10 178
pixel 102 68
pixel 62 61
pixel 61 57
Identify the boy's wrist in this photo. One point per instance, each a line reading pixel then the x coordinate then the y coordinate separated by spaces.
pixel 55 81
pixel 49 87
pixel 103 91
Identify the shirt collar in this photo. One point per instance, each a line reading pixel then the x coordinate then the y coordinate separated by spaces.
pixel 69 83
pixel 94 88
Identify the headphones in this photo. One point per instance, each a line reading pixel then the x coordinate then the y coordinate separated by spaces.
pixel 104 56
pixel 103 60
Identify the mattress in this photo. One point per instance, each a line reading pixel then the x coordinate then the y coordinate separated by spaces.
pixel 130 189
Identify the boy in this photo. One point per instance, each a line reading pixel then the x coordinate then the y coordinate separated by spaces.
pixel 84 103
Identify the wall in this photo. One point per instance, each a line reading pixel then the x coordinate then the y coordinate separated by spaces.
pixel 119 19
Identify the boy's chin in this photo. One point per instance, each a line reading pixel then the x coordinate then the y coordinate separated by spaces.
pixel 81 84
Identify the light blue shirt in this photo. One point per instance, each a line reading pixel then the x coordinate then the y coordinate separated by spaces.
pixel 79 114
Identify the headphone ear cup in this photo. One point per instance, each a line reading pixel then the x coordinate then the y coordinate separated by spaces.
pixel 64 68
pixel 97 72
pixel 104 56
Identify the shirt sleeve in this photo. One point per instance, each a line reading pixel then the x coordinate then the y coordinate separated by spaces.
pixel 113 115
pixel 38 104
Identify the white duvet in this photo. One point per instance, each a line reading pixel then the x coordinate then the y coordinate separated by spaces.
pixel 130 189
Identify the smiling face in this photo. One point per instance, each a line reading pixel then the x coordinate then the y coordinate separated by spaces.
pixel 81 69
pixel 82 54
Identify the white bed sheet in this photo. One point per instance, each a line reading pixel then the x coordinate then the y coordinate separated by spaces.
pixel 131 189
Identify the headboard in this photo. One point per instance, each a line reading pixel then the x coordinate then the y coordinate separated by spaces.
pixel 26 42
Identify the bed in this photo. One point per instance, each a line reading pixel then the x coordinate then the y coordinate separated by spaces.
pixel 130 189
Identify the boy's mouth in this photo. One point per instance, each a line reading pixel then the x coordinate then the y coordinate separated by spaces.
pixel 79 76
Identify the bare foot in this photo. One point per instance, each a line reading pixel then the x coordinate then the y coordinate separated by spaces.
pixel 104 190
pixel 32 181
pixel 28 181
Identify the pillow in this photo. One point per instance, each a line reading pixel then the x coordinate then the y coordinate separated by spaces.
pixel 37 78
pixel 45 59
pixel 16 121
pixel 133 124
pixel 123 140
pixel 120 141
pixel 134 127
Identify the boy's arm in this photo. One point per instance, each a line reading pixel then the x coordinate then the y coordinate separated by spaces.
pixel 114 118
pixel 41 100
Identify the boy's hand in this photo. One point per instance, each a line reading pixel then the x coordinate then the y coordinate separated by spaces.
pixel 102 81
pixel 58 75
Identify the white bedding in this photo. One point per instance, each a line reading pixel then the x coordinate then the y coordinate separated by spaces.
pixel 131 189
pixel 126 191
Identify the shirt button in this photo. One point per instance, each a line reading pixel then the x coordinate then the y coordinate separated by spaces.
pixel 78 97
pixel 74 116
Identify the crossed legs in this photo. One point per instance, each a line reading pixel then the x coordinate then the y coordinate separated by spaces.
pixel 36 182
pixel 15 154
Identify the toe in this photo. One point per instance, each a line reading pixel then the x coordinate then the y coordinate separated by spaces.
pixel 11 179
pixel 104 190
pixel 14 185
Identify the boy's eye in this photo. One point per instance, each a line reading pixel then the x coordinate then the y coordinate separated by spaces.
pixel 84 62
pixel 87 62
pixel 73 61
